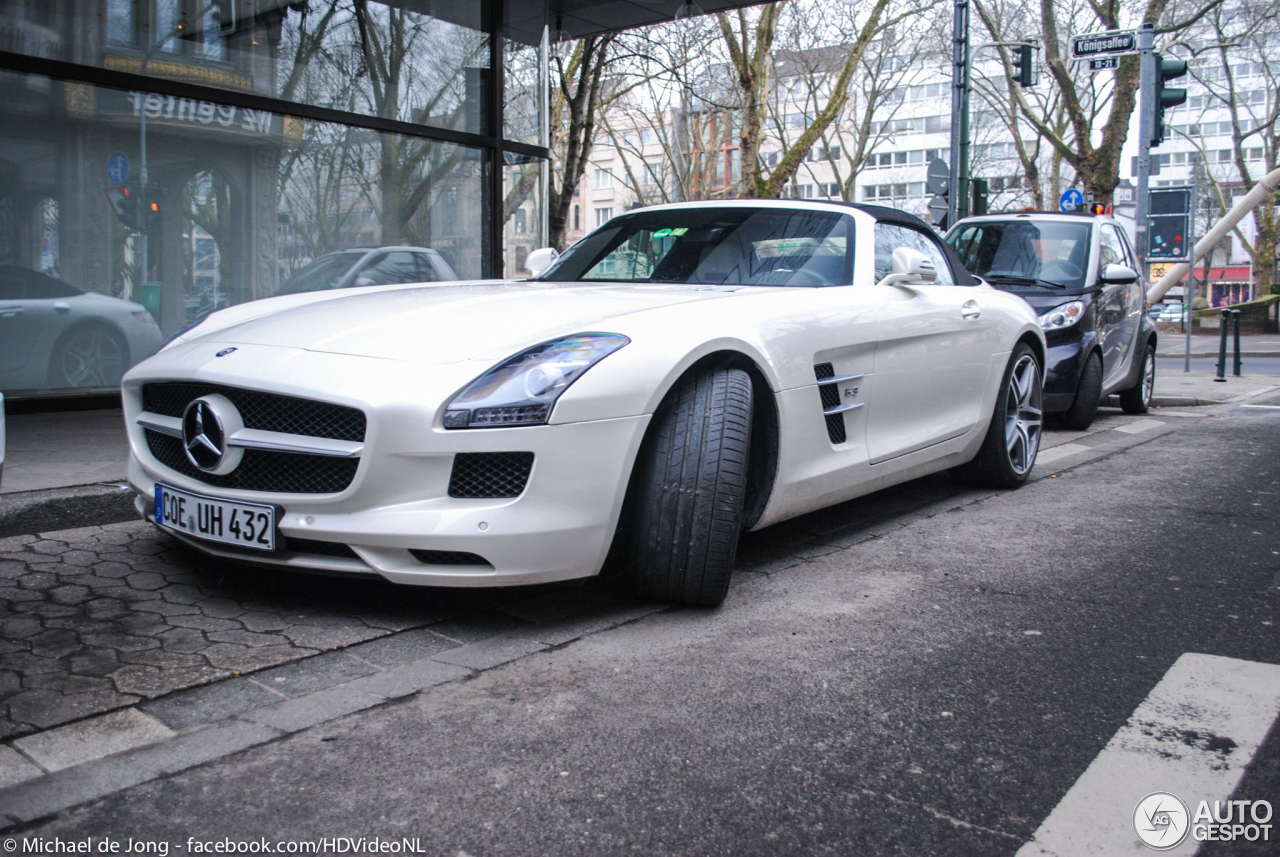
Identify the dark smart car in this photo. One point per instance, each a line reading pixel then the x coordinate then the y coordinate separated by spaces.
pixel 1080 274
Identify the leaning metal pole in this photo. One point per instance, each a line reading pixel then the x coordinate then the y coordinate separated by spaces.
pixel 1265 189
pixel 959 95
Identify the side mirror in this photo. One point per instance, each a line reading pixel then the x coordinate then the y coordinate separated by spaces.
pixel 1122 274
pixel 910 268
pixel 539 260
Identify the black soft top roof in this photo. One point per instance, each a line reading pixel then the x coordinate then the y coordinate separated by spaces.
pixel 884 214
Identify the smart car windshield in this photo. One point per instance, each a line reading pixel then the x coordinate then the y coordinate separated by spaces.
pixel 716 246
pixel 1025 253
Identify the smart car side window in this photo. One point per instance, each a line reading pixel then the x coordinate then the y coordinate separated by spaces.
pixel 1109 250
pixel 891 236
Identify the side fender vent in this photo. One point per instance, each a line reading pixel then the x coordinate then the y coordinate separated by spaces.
pixel 830 398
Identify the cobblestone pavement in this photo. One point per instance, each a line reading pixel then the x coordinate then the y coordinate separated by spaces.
pixel 103 617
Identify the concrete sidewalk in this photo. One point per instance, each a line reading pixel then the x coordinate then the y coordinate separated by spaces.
pixel 67 469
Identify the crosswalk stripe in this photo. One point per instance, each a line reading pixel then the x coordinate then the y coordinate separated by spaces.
pixel 1139 426
pixel 1193 736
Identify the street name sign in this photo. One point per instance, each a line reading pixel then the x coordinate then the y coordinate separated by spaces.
pixel 1111 43
pixel 1104 63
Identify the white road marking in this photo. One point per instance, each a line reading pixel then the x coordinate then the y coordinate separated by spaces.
pixel 1054 453
pixel 1263 407
pixel 1193 736
pixel 1139 425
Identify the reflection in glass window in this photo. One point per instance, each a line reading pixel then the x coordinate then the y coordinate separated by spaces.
pixel 240 203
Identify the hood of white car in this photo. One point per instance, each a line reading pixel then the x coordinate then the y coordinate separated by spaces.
pixel 449 323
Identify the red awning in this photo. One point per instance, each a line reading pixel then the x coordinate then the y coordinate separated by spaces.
pixel 1231 272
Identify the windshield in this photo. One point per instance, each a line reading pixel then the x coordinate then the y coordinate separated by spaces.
pixel 324 273
pixel 714 246
pixel 1025 252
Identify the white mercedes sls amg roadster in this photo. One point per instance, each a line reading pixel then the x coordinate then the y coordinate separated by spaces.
pixel 683 373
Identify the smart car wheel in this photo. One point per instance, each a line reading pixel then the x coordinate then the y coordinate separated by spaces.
pixel 1009 449
pixel 1137 400
pixel 87 357
pixel 1084 407
pixel 690 483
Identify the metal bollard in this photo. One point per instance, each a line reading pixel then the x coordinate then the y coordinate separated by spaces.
pixel 1235 316
pixel 1222 347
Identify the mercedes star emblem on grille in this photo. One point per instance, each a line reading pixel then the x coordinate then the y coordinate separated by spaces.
pixel 203 435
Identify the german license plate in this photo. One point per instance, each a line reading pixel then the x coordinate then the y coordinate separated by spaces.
pixel 246 525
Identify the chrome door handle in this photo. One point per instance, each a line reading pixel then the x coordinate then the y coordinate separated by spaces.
pixel 970 310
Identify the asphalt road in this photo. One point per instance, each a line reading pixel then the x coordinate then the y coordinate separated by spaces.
pixel 1248 365
pixel 936 690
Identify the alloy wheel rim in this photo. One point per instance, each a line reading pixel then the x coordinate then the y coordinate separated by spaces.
pixel 1024 416
pixel 1148 378
pixel 91 359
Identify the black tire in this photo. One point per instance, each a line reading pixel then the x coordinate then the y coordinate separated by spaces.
pixel 89 356
pixel 690 482
pixel 1084 407
pixel 1009 449
pixel 1137 400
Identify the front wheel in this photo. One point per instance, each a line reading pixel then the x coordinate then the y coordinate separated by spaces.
pixel 1084 407
pixel 690 483
pixel 1009 449
pixel 1137 400
pixel 89 356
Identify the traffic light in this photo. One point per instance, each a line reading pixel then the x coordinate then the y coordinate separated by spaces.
pixel 978 191
pixel 153 215
pixel 1165 96
pixel 124 205
pixel 224 16
pixel 1023 60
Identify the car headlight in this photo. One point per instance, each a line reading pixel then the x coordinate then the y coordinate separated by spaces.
pixel 521 390
pixel 1063 316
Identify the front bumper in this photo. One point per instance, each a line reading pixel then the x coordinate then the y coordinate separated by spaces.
pixel 559 527
pixel 1064 361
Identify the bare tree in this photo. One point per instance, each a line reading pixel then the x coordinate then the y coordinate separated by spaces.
pixel 749 38
pixel 1094 109
pixel 1242 92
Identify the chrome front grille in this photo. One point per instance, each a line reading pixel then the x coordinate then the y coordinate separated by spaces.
pixel 263 411
pixel 261 470
pixel 290 445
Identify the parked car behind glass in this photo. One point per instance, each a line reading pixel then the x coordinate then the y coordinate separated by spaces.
pixel 379 266
pixel 54 336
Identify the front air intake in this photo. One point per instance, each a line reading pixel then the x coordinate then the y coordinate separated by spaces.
pixel 489 474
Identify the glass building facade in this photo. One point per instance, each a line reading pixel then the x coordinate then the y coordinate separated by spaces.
pixel 160 159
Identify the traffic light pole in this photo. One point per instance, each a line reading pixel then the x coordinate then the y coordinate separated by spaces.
pixel 959 112
pixel 1146 125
